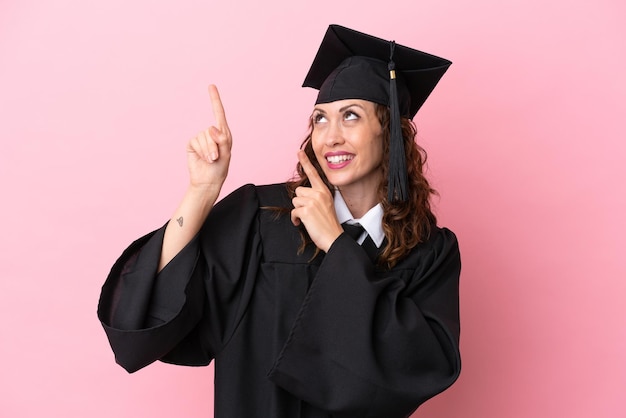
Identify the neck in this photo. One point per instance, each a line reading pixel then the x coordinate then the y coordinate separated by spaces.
pixel 359 202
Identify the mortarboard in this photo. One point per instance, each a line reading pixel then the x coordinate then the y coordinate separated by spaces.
pixel 354 65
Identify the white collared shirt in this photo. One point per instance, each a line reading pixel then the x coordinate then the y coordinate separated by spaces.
pixel 372 221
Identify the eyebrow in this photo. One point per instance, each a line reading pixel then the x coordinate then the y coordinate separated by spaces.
pixel 343 109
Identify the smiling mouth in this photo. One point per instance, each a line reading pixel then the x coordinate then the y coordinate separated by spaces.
pixel 336 159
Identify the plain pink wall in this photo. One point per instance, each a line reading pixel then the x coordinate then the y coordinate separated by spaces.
pixel 526 146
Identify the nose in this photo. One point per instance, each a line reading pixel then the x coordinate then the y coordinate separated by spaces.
pixel 334 134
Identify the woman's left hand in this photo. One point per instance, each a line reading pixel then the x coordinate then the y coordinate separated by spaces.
pixel 314 207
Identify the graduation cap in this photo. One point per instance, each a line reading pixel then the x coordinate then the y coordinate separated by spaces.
pixel 354 65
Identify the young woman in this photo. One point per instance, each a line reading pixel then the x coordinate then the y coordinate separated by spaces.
pixel 302 318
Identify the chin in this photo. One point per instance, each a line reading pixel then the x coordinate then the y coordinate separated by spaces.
pixel 340 184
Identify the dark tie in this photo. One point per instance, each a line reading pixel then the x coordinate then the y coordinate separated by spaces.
pixel 355 231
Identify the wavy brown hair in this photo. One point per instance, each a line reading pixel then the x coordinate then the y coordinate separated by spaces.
pixel 405 224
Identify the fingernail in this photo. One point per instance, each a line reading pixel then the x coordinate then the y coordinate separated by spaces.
pixel 214 156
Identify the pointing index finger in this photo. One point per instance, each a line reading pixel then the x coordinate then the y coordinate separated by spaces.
pixel 218 108
pixel 311 172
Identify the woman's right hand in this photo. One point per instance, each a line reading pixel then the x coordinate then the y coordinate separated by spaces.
pixel 208 157
pixel 208 154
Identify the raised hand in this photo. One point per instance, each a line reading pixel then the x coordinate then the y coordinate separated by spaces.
pixel 208 157
pixel 208 154
pixel 314 207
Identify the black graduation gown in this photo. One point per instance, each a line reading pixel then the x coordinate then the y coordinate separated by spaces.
pixel 291 335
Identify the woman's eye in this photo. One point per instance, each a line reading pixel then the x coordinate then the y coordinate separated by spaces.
pixel 319 118
pixel 351 116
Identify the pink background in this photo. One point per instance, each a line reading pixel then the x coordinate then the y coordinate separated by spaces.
pixel 525 136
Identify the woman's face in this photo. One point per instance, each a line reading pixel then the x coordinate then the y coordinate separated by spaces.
pixel 347 141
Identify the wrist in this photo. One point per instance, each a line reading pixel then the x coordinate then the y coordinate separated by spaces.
pixel 331 241
pixel 203 190
pixel 203 195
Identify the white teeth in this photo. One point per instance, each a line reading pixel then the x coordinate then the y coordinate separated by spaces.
pixel 336 159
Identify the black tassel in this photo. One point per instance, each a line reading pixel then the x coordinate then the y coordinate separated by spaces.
pixel 397 187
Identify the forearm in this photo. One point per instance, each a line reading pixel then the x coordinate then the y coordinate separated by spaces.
pixel 187 220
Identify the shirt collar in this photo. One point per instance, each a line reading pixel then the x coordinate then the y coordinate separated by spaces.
pixel 372 221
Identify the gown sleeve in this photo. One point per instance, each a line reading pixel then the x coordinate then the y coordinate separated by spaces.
pixel 370 346
pixel 151 316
